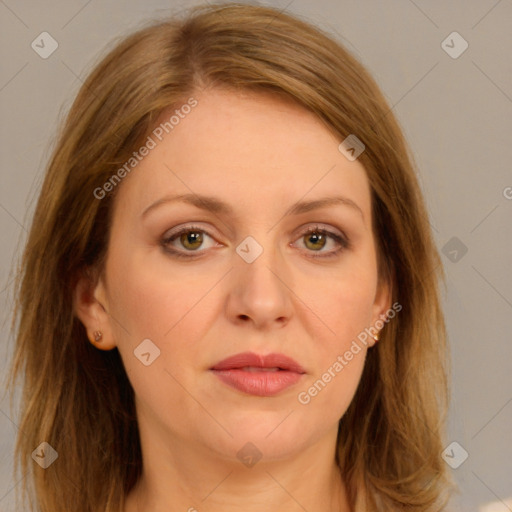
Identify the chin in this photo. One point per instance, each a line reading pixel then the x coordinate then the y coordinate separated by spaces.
pixel 263 434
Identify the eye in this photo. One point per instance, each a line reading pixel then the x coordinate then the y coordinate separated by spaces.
pixel 317 238
pixel 191 238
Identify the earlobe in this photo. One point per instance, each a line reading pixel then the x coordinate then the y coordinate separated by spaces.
pixel 88 305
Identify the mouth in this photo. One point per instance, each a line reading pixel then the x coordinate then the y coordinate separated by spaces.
pixel 258 375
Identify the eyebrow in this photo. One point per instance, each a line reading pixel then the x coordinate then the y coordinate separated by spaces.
pixel 214 205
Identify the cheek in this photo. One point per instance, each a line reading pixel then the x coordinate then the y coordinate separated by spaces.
pixel 344 304
pixel 147 302
pixel 343 300
pixel 339 353
pixel 327 396
pixel 351 308
pixel 151 302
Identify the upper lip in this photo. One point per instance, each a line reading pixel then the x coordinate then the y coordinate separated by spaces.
pixel 259 361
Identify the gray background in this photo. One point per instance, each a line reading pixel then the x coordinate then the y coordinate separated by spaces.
pixel 455 113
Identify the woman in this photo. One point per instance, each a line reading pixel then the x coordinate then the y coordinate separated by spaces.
pixel 229 224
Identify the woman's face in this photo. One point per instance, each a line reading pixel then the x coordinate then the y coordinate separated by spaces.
pixel 246 277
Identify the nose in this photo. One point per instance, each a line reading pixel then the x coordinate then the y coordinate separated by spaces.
pixel 259 292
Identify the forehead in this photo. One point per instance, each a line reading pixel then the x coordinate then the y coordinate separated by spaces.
pixel 249 148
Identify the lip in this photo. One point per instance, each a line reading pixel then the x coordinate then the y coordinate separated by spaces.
pixel 259 375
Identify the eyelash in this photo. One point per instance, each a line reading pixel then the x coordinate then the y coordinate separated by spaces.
pixel 342 241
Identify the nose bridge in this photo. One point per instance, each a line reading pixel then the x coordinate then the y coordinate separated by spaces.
pixel 258 281
pixel 261 259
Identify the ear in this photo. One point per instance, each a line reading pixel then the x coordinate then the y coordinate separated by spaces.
pixel 90 305
pixel 381 305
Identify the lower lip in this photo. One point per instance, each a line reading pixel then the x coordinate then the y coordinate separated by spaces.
pixel 264 383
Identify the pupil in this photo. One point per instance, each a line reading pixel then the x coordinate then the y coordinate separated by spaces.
pixel 191 238
pixel 314 238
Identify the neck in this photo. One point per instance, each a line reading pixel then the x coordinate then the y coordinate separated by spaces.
pixel 179 476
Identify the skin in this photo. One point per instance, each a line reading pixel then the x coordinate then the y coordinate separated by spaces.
pixel 259 154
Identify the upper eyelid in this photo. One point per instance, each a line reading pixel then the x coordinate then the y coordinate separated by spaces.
pixel 304 228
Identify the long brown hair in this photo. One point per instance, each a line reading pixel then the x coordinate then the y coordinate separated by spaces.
pixel 79 400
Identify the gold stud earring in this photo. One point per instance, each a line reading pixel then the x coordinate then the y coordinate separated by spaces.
pixel 376 337
pixel 97 336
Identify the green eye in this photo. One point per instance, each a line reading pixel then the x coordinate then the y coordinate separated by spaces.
pixel 192 239
pixel 316 238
